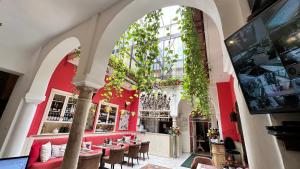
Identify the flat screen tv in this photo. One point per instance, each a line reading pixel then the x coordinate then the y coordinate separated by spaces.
pixel 14 162
pixel 265 54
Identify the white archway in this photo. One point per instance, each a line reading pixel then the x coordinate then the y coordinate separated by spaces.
pixel 54 56
pixel 36 94
pixel 135 10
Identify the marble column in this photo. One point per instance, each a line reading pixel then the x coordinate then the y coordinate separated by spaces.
pixel 17 138
pixel 174 121
pixel 175 138
pixel 77 130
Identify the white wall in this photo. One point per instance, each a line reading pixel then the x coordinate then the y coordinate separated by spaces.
pixel 262 148
pixel 291 159
pixel 15 101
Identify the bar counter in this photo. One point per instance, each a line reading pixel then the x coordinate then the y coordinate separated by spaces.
pixel 160 144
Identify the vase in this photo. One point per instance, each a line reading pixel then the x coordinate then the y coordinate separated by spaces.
pixel 55 131
pixel 214 140
pixel 175 146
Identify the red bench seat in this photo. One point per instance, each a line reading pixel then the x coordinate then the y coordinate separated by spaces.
pixel 34 155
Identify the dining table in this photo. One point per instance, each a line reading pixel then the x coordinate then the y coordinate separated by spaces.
pixel 204 166
pixel 106 149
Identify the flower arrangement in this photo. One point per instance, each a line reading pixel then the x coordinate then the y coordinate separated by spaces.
pixel 213 133
pixel 174 131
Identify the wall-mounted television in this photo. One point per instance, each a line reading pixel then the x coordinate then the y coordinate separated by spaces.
pixel 265 55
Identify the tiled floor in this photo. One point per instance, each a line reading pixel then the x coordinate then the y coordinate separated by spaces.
pixel 173 163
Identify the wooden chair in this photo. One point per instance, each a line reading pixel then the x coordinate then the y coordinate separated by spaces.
pixel 144 149
pixel 116 156
pixel 201 160
pixel 90 161
pixel 133 153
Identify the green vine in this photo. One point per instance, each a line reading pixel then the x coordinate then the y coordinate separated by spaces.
pixel 195 80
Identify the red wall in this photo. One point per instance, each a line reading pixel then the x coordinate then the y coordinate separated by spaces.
pixel 62 79
pixel 227 101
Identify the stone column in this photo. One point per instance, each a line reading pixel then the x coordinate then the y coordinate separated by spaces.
pixel 77 130
pixel 175 138
pixel 17 137
pixel 174 121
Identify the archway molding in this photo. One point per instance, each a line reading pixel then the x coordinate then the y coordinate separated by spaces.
pixel 40 82
pixel 133 11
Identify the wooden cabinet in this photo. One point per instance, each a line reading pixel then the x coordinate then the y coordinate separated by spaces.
pixel 107 117
pixel 59 113
pixel 60 110
pixel 218 154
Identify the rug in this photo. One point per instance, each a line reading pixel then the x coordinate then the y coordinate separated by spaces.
pixel 152 166
pixel 188 162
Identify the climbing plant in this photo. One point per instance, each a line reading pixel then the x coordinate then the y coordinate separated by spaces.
pixel 143 34
pixel 195 80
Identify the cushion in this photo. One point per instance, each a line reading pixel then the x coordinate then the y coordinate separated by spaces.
pixel 87 145
pixel 45 153
pixel 58 150
pixel 53 163
pixel 127 139
pixel 34 154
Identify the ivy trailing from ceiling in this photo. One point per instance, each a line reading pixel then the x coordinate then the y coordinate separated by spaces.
pixel 144 35
pixel 195 80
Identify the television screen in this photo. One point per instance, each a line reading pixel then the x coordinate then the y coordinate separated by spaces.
pixel 266 57
pixel 14 163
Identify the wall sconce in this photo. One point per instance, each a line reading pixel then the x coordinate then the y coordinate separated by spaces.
pixel 122 112
pixel 133 113
pixel 127 103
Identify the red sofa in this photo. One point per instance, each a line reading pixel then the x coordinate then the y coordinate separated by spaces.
pixel 34 155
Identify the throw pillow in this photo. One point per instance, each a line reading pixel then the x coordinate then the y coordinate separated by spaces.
pixel 87 145
pixel 34 154
pixel 127 139
pixel 45 153
pixel 58 150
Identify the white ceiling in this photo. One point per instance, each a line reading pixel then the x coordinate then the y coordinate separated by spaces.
pixel 28 24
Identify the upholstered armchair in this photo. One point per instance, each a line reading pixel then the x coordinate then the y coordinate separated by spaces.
pixel 144 149
pixel 201 160
pixel 90 161
pixel 116 156
pixel 133 153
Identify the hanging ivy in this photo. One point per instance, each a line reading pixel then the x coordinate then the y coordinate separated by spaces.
pixel 143 34
pixel 195 81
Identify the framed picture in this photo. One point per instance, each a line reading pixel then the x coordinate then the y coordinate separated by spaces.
pixel 124 120
pixel 91 117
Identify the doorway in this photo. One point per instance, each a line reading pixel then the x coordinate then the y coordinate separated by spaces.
pixel 7 84
pixel 199 142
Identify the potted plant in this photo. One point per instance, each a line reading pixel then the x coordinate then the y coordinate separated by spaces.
pixel 213 135
pixel 174 131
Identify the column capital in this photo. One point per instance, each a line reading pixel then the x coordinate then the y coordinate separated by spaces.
pixel 86 88
pixel 88 81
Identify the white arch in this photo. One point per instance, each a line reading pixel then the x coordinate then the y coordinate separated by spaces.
pixel 54 56
pixel 134 11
